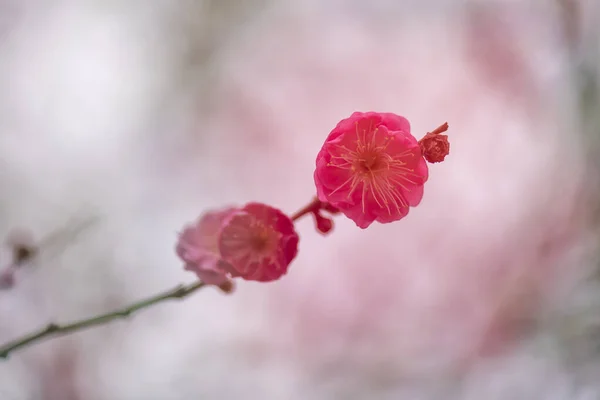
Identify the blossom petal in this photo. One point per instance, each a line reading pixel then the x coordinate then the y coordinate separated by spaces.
pixel 197 246
pixel 395 122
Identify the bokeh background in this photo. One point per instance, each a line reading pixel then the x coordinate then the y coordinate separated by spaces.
pixel 120 121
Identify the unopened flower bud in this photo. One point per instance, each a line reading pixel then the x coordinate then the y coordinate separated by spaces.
pixel 435 147
pixel 324 224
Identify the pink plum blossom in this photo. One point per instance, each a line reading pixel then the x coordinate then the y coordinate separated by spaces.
pixel 371 168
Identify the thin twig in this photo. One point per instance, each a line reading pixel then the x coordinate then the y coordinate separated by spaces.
pixel 314 205
pixel 54 330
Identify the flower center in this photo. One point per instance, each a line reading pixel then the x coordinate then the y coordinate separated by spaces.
pixel 261 240
pixel 371 162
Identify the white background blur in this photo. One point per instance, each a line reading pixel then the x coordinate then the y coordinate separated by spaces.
pixel 139 115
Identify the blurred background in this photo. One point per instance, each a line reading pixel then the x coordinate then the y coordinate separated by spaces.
pixel 120 121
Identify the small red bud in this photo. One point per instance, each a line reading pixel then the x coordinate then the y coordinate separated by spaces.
pixel 324 225
pixel 227 287
pixel 435 147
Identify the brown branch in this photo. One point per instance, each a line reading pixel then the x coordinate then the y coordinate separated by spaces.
pixel 54 330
